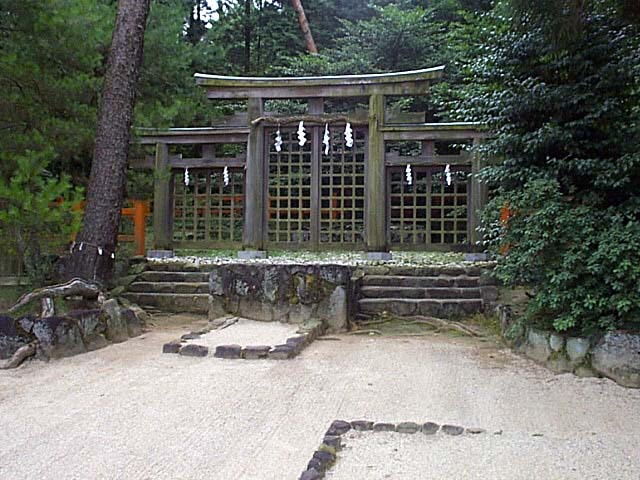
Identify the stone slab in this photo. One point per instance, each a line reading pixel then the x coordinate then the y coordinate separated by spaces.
pixel 379 256
pixel 252 254
pixel 159 253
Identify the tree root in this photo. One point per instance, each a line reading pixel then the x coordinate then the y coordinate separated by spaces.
pixel 19 356
pixel 440 324
pixel 75 286
pixel 365 332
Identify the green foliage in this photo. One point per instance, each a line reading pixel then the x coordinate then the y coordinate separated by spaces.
pixel 37 215
pixel 566 120
pixel 397 37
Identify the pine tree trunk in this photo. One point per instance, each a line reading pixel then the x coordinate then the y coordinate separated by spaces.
pixel 91 258
pixel 304 26
pixel 247 37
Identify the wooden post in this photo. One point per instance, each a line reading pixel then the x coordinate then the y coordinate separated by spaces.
pixel 254 228
pixel 315 107
pixel 139 221
pixel 478 198
pixel 162 200
pixel 375 221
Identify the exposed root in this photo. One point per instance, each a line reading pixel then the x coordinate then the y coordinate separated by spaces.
pixel 19 356
pixel 76 286
pixel 440 324
pixel 365 332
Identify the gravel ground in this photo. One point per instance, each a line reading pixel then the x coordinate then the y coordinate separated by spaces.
pixel 248 332
pixel 130 412
pixel 386 455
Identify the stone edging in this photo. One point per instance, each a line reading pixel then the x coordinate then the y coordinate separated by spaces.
pixel 327 453
pixel 292 347
pixel 615 355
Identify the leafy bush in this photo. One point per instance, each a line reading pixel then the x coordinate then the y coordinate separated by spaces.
pixel 564 107
pixel 37 216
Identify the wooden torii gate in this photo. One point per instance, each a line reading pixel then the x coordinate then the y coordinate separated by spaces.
pixel 388 213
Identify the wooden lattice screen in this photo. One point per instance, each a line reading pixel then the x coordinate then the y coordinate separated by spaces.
pixel 289 189
pixel 316 199
pixel 428 211
pixel 342 189
pixel 207 211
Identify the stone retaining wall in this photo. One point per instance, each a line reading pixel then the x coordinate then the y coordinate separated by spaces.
pixel 615 355
pixel 285 292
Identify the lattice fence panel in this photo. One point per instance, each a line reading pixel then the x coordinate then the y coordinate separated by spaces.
pixel 289 189
pixel 428 211
pixel 207 210
pixel 342 189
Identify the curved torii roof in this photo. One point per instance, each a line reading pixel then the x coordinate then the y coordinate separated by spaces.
pixel 412 82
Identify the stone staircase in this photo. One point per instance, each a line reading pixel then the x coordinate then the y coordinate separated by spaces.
pixel 162 289
pixel 439 291
pixel 445 292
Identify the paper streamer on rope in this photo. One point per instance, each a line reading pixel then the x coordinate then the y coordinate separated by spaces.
pixel 113 254
pixel 186 176
pixel 100 251
pixel 73 245
pixel 225 176
pixel 326 139
pixel 302 138
pixel 408 175
pixel 81 246
pixel 447 174
pixel 348 135
pixel 278 141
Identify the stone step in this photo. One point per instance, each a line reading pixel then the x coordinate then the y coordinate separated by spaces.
pixel 169 287
pixel 462 281
pixel 443 308
pixel 174 277
pixel 425 270
pixel 171 302
pixel 421 293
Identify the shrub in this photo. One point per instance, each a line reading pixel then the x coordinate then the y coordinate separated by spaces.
pixel 37 216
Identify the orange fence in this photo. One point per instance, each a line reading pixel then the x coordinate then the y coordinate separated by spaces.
pixel 505 214
pixel 138 213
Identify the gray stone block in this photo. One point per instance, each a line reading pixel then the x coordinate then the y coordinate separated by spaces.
pixel 476 431
pixel 252 254
pixel 255 352
pixel 190 336
pixel 159 253
pixel 117 330
pixel 617 356
pixel 282 352
pixel 577 349
pixel 333 441
pixel 228 351
pixel 556 342
pixel 430 428
pixel 171 347
pixel 316 465
pixel 379 256
pixel 310 474
pixel 193 350
pixel 452 430
pixel 384 427
pixel 339 427
pixel 476 257
pixel 59 337
pixel 537 346
pixel 407 427
pixel 362 425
